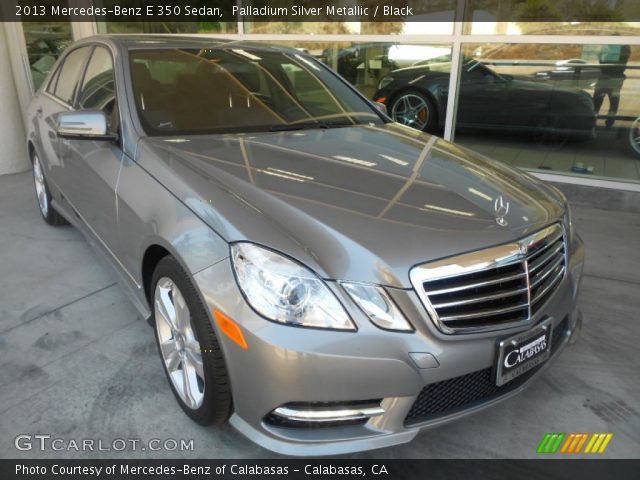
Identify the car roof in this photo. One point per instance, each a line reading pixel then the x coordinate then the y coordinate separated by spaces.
pixel 138 41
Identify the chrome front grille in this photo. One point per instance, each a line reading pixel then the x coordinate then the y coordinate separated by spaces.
pixel 495 288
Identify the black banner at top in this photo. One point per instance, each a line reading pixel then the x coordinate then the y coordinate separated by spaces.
pixel 617 11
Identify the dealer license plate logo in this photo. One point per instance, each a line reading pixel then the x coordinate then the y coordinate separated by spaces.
pixel 522 352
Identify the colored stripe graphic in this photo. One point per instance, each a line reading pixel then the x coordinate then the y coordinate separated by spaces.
pixel 605 443
pixel 573 443
pixel 551 442
pixel 598 443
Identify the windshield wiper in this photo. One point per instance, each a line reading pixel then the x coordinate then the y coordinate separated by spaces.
pixel 285 127
pixel 309 126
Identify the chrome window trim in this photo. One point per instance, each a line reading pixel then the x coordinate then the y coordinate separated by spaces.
pixel 480 260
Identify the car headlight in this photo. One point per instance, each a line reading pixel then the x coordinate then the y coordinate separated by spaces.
pixel 384 82
pixel 378 306
pixel 285 291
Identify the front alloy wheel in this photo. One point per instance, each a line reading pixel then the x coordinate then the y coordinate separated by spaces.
pixel 179 344
pixel 43 195
pixel 188 345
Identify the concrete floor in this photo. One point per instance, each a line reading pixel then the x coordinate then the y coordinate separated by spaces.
pixel 76 361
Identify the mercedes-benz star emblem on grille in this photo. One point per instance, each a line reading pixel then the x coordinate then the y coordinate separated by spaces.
pixel 501 207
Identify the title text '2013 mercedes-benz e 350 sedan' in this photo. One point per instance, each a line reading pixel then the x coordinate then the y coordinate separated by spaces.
pixel 323 278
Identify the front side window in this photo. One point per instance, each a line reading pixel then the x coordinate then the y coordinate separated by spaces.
pixel 228 89
pixel 98 85
pixel 69 75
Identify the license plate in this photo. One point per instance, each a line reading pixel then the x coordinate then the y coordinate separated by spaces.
pixel 522 352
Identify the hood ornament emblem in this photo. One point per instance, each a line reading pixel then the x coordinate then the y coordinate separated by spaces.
pixel 501 208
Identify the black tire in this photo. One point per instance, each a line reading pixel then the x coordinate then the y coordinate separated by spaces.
pixel 217 403
pixel 633 138
pixel 48 212
pixel 428 123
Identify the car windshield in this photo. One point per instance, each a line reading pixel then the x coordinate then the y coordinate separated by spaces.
pixel 181 91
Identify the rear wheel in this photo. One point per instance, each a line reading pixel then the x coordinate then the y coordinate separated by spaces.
pixel 634 138
pixel 43 195
pixel 413 109
pixel 188 346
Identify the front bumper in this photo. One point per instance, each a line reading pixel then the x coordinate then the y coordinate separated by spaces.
pixel 285 364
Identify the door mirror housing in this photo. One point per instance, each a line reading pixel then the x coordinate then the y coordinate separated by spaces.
pixel 84 125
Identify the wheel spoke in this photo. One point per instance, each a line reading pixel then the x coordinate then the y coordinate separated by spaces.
pixel 406 104
pixel 170 353
pixel 183 317
pixel 41 198
pixel 166 308
pixel 41 191
pixel 189 382
pixel 195 360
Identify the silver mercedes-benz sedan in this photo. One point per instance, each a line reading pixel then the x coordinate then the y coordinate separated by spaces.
pixel 325 279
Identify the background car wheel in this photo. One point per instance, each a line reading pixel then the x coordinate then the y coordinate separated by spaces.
pixel 634 137
pixel 43 196
pixel 188 346
pixel 413 109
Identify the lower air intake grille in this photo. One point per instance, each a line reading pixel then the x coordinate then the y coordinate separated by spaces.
pixel 460 393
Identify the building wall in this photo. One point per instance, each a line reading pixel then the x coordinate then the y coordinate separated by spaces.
pixel 13 154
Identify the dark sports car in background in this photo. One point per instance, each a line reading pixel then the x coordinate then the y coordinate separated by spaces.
pixel 574 72
pixel 417 97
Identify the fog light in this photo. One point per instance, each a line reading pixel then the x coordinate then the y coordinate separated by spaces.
pixel 324 414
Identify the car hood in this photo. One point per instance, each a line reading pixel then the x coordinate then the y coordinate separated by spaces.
pixel 361 203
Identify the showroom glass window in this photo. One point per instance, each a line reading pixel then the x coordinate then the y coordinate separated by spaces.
pixel 560 108
pixel 69 75
pixel 45 42
pixel 598 144
pixel 369 65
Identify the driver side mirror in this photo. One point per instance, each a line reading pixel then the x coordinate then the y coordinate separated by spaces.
pixel 84 125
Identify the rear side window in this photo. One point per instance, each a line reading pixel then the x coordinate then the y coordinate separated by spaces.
pixel 69 75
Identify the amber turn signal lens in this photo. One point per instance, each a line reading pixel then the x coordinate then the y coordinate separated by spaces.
pixel 230 329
